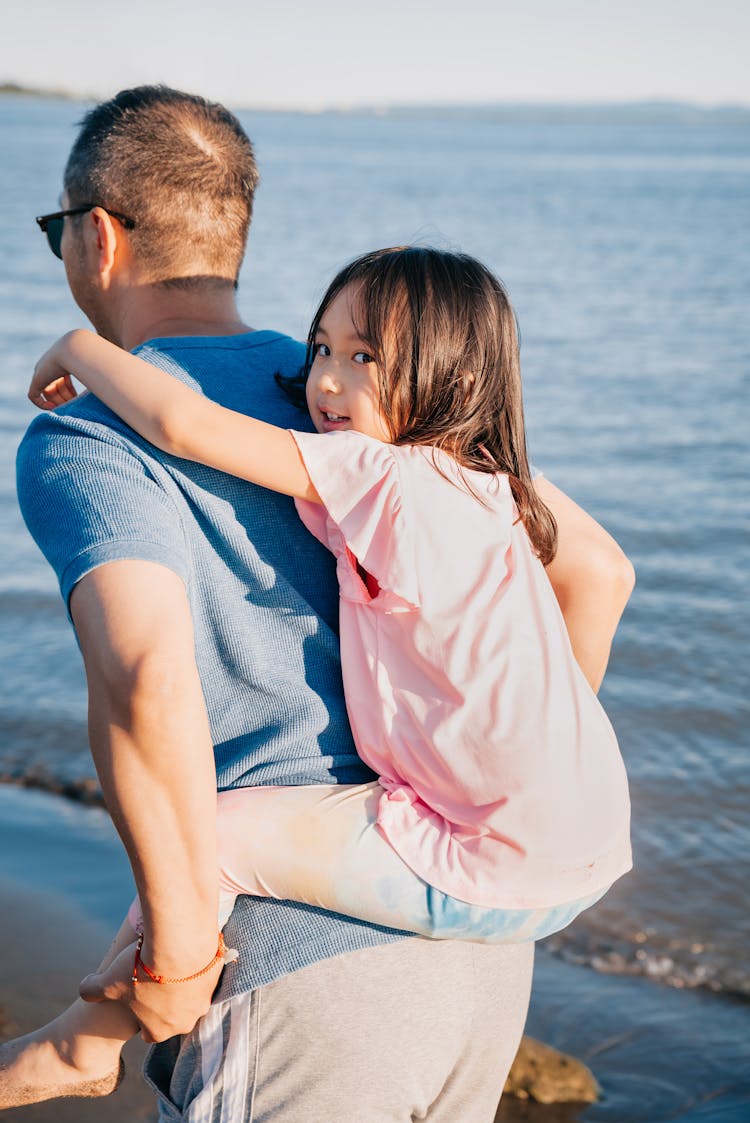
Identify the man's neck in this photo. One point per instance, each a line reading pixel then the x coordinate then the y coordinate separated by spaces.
pixel 163 312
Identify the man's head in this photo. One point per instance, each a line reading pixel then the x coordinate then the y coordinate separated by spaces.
pixel 181 168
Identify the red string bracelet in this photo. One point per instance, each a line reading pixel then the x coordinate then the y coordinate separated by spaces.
pixel 222 955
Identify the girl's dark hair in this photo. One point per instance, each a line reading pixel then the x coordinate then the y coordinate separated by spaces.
pixel 443 333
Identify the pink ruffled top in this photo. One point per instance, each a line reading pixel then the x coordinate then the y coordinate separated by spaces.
pixel 503 782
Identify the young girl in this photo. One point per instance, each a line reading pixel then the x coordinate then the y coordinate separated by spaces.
pixel 501 809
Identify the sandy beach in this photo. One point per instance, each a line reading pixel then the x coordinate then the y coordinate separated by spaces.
pixel 63 881
pixel 47 948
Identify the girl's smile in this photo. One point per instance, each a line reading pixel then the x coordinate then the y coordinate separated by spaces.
pixel 343 387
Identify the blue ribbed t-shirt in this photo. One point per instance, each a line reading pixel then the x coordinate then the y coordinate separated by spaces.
pixel 262 592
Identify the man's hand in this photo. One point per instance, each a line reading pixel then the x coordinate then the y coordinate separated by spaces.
pixel 162 1010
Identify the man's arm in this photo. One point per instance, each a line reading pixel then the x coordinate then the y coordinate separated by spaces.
pixel 592 580
pixel 151 744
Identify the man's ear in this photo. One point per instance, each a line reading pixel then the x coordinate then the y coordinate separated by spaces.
pixel 107 242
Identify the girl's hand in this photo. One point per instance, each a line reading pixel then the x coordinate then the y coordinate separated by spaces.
pixel 51 383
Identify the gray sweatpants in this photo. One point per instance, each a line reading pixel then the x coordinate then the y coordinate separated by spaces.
pixel 407 1031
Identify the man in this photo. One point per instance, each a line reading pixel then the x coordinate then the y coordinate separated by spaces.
pixel 184 585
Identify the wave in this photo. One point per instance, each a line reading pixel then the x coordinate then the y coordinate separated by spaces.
pixel 674 963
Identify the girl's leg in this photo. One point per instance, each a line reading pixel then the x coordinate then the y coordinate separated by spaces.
pixel 321 845
pixel 77 1054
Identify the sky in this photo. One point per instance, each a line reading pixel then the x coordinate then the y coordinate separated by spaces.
pixel 312 54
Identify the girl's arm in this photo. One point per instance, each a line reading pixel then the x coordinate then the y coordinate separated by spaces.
pixel 592 579
pixel 170 415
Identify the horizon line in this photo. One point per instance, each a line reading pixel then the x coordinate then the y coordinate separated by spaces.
pixel 11 86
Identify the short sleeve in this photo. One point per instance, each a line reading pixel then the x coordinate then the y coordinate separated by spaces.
pixel 359 481
pixel 88 497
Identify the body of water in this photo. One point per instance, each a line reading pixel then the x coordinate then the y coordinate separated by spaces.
pixel 626 250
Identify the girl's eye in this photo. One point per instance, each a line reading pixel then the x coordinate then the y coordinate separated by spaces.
pixel 320 350
pixel 363 357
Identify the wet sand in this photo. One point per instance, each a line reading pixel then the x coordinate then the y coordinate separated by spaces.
pixel 64 880
pixel 47 948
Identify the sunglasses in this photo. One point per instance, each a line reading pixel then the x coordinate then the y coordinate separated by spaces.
pixel 52 224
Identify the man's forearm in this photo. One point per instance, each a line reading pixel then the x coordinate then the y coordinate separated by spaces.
pixel 163 805
pixel 152 748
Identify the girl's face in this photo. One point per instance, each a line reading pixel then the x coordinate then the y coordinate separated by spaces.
pixel 342 387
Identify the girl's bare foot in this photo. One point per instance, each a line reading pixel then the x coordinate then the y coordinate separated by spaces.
pixel 47 1064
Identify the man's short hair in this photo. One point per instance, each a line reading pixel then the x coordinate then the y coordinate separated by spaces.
pixel 182 168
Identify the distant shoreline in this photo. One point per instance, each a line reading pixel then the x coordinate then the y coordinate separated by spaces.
pixel 637 112
pixel 13 89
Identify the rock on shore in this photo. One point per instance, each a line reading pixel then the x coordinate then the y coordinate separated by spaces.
pixel 548 1076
